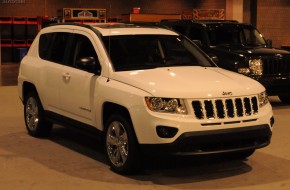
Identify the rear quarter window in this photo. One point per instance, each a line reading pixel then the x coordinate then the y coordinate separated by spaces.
pixel 52 46
pixel 44 43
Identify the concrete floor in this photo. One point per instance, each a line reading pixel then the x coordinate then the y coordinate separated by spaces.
pixel 8 74
pixel 68 160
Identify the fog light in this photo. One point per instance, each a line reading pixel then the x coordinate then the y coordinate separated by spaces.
pixel 245 71
pixel 166 132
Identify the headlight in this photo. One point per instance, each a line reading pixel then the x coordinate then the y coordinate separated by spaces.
pixel 256 66
pixel 263 99
pixel 166 105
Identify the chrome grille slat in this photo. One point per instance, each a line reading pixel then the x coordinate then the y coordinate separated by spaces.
pixel 225 108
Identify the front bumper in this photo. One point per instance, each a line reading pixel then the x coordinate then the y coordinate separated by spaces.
pixel 214 141
pixel 146 123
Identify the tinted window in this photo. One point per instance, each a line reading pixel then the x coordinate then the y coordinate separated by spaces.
pixel 83 48
pixel 44 44
pixel 234 34
pixel 180 29
pixel 253 37
pixel 150 51
pixel 224 35
pixel 52 46
pixel 58 47
pixel 195 34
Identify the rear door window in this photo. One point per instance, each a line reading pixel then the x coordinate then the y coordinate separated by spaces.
pixel 82 48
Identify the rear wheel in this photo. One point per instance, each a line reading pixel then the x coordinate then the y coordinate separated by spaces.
pixel 35 122
pixel 121 145
pixel 285 99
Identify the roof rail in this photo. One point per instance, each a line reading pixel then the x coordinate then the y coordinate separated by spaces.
pixel 70 24
pixel 200 21
pixel 77 24
pixel 232 21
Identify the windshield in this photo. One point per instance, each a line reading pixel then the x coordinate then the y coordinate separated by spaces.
pixel 235 34
pixel 134 52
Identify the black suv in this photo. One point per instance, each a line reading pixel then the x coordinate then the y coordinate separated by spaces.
pixel 241 48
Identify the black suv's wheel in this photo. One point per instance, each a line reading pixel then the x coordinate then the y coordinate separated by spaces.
pixel 35 122
pixel 285 99
pixel 121 145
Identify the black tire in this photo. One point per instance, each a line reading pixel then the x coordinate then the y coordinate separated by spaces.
pixel 121 146
pixel 240 155
pixel 285 99
pixel 35 122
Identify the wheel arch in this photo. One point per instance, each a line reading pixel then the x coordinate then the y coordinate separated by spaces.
pixel 110 108
pixel 26 88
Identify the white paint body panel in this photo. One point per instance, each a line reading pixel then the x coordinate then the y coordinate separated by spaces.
pixel 129 89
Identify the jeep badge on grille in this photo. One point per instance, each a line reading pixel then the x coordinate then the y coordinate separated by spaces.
pixel 227 93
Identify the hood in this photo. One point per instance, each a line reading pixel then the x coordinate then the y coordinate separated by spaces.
pixel 189 82
pixel 251 50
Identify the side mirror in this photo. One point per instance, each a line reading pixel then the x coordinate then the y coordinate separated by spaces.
pixel 88 64
pixel 269 43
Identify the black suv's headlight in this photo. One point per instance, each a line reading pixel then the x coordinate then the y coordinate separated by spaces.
pixel 166 105
pixel 256 66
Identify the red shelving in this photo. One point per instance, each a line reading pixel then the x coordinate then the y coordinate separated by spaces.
pixel 5 20
pixel 32 20
pixel 17 34
pixel 6 43
pixel 19 43
pixel 19 20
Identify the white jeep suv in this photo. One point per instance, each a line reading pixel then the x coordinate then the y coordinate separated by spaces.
pixel 141 89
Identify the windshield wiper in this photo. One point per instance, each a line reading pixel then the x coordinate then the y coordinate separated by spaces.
pixel 135 67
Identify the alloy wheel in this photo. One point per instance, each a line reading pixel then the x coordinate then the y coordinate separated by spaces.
pixel 31 114
pixel 117 143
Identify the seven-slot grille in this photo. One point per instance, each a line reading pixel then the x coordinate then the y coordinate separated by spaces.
pixel 225 108
pixel 275 66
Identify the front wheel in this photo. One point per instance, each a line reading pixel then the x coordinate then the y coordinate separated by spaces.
pixel 35 122
pixel 121 145
pixel 285 99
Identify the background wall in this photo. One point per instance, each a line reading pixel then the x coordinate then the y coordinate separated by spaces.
pixel 117 7
pixel 273 20
pixel 272 15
